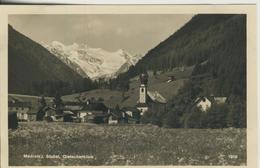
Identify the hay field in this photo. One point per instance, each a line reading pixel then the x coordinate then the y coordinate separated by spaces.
pixel 124 145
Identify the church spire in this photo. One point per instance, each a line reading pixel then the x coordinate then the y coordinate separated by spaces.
pixel 143 88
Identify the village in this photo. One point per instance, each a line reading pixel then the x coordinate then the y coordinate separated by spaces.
pixel 119 93
pixel 93 110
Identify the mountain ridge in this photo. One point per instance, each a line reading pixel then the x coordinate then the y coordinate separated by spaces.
pixel 30 65
pixel 93 62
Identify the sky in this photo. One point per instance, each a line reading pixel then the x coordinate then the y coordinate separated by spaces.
pixel 135 33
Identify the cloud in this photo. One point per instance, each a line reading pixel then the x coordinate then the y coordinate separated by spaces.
pixel 136 33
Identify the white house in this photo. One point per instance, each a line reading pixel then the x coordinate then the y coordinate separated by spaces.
pixel 21 108
pixel 112 119
pixel 204 103
pixel 129 113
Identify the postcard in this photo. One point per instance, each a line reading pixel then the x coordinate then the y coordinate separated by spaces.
pixel 128 85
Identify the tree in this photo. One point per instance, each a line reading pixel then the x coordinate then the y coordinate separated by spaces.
pixel 153 117
pixel 172 119
pixel 43 102
pixel 93 100
pixel 216 117
pixel 117 111
pixel 100 99
pixel 195 119
pixel 155 73
pixel 41 111
pixel 236 116
pixel 125 87
pixel 58 103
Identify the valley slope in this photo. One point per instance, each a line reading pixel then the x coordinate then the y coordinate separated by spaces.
pixel 216 40
pixel 157 82
pixel 29 62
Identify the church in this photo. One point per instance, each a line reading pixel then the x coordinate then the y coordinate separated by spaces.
pixel 149 100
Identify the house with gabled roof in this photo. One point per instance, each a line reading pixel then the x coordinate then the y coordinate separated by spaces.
pixel 204 103
pixel 132 114
pixel 94 112
pixel 112 118
pixel 21 108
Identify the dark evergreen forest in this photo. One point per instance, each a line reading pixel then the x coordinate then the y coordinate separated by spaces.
pixel 216 45
pixel 33 70
pixel 220 40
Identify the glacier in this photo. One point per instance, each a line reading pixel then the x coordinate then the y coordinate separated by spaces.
pixel 93 62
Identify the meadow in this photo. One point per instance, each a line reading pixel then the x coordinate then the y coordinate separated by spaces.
pixel 124 145
pixel 156 83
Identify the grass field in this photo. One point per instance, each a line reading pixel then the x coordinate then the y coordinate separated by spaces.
pixel 156 83
pixel 125 145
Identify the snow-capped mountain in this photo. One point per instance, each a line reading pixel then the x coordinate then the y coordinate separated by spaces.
pixel 93 62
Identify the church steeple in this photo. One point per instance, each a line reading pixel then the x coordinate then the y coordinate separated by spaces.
pixel 143 88
pixel 142 103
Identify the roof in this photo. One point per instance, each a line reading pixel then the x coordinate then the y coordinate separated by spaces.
pixel 68 113
pixel 73 103
pixel 114 116
pixel 94 112
pixel 156 97
pixel 73 107
pixel 129 109
pixel 19 104
pixel 49 110
pixel 27 96
pixel 34 100
pixel 200 98
pixel 217 100
pixel 83 106
pixel 220 100
pixel 95 107
pixel 13 99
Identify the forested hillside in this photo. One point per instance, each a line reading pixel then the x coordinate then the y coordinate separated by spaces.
pixel 217 40
pixel 34 70
pixel 216 46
